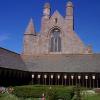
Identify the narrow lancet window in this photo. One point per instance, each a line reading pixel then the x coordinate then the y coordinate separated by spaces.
pixel 55 41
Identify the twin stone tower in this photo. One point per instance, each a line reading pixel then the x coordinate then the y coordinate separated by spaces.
pixel 56 35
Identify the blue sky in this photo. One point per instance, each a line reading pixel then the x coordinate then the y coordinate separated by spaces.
pixel 15 15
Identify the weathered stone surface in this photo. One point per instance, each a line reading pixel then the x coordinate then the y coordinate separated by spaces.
pixel 40 43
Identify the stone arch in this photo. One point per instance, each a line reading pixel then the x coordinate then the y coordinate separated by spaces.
pixel 55 39
pixel 54 27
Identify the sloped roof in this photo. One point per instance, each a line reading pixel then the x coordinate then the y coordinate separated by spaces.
pixel 51 63
pixel 64 63
pixel 11 60
pixel 57 15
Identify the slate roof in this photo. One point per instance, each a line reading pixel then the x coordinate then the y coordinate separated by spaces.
pixel 11 60
pixel 64 63
pixel 51 63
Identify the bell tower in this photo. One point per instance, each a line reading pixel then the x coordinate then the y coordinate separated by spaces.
pixel 28 38
pixel 46 16
pixel 69 16
pixel 46 11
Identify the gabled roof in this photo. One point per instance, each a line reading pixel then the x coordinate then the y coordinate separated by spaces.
pixel 56 14
pixel 11 60
pixel 51 63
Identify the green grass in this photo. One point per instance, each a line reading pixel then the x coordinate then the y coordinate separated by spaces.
pixel 36 91
pixel 38 88
pixel 32 92
pixel 13 97
pixel 93 97
pixel 8 97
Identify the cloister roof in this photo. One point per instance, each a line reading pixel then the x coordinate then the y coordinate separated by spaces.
pixel 51 63
pixel 11 60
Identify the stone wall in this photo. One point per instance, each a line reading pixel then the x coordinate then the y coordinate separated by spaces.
pixel 70 42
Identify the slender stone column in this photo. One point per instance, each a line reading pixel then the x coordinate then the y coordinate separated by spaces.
pixel 65 77
pixel 79 79
pixel 62 80
pixel 55 79
pixel 39 76
pixel 69 80
pixel 98 80
pixel 90 82
pixel 49 79
pixel 57 45
pixel 32 79
pixel 86 78
pixel 58 79
pixel 76 80
pixel 72 78
pixel 51 82
pixel 45 79
pixel 53 44
pixel 93 77
pixel 97 83
pixel 83 80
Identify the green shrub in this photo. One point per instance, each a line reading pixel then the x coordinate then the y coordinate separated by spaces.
pixel 63 93
pixel 8 97
pixel 51 93
pixel 29 91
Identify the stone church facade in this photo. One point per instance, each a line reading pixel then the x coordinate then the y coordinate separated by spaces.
pixel 56 36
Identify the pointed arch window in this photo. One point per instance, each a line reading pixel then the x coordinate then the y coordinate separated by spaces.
pixel 55 41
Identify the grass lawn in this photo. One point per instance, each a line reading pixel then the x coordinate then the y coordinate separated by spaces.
pixel 13 97
pixel 31 92
pixel 93 97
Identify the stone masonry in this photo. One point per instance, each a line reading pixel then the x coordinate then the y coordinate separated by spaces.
pixel 39 43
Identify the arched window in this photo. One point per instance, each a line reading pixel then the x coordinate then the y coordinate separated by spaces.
pixel 55 41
